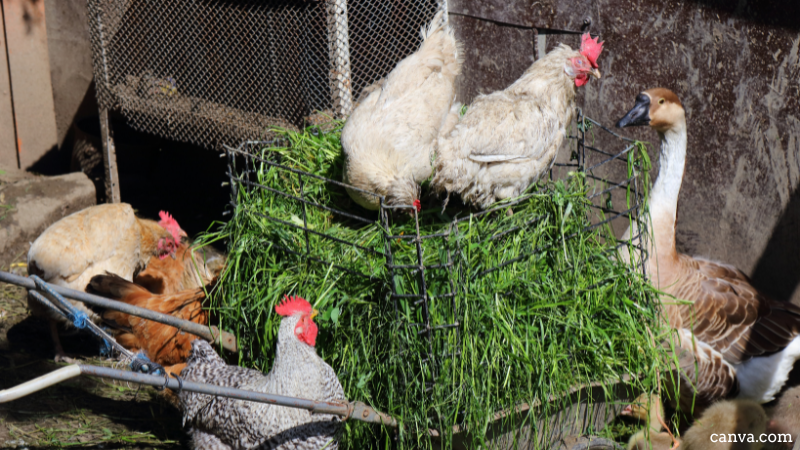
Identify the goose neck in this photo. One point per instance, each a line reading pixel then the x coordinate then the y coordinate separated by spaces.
pixel 664 195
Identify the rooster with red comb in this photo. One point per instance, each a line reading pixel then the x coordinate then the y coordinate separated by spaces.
pixel 508 139
pixel 222 423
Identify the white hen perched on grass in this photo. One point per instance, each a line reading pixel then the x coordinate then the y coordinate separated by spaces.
pixel 390 137
pixel 510 138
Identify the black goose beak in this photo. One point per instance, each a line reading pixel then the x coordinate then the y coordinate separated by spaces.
pixel 638 115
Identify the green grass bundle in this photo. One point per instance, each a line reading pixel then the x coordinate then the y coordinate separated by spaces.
pixel 522 307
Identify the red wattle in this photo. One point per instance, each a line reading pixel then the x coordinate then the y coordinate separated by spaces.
pixel 417 204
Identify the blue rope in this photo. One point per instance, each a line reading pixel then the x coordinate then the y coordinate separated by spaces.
pixel 105 348
pixel 78 318
pixel 141 363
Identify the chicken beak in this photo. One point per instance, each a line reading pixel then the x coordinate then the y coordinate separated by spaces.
pixel 595 73
pixel 314 313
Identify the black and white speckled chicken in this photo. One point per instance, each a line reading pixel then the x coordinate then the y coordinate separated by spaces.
pixel 221 423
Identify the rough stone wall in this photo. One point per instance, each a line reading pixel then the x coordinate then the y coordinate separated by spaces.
pixel 736 68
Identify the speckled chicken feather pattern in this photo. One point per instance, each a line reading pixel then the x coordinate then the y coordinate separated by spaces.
pixel 508 139
pixel 223 423
pixel 390 137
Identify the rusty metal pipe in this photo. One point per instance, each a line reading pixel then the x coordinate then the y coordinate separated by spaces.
pixel 348 410
pixel 212 334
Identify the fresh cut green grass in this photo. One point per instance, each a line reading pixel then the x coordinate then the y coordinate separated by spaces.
pixel 520 308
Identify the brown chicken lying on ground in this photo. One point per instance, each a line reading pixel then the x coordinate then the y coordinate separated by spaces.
pixel 161 343
pixel 188 270
pixel 93 241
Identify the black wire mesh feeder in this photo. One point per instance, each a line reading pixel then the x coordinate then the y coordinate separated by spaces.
pixel 444 318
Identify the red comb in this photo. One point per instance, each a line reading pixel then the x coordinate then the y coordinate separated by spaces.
pixel 292 305
pixel 590 48
pixel 170 224
pixel 417 204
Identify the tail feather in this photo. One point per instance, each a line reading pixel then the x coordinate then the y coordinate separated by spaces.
pixel 440 50
pixel 114 286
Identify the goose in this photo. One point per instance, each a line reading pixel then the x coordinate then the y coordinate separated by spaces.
pixel 729 334
pixel 648 409
pixel 734 424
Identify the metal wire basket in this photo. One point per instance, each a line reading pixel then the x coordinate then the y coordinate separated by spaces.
pixel 427 280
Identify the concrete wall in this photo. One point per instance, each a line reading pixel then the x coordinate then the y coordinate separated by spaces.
pixel 70 67
pixel 736 68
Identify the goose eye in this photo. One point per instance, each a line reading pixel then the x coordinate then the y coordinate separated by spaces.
pixel 661 102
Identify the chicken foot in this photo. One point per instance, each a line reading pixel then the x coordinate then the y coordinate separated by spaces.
pixel 60 356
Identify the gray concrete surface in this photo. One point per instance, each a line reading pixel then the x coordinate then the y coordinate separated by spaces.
pixel 28 205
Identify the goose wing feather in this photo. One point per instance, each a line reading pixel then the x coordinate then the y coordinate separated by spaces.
pixel 730 315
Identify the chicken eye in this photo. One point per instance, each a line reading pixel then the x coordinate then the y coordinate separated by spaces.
pixel 661 102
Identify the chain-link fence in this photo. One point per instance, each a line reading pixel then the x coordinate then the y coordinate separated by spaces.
pixel 214 72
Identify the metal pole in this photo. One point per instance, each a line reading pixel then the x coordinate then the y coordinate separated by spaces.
pixel 339 48
pixel 212 334
pixel 349 410
pixel 109 158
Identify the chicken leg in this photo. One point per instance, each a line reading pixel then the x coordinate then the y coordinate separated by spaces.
pixel 60 356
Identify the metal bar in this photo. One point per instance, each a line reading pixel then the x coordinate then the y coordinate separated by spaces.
pixel 37 384
pixel 305 221
pixel 327 236
pixel 299 172
pixel 210 333
pixel 615 186
pixel 612 158
pixel 339 47
pixel 350 410
pixel 321 261
pixel 609 131
pixel 304 201
pixel 109 158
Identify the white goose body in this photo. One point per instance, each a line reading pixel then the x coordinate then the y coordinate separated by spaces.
pixel 730 335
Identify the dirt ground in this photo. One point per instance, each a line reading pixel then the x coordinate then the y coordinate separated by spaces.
pixel 80 413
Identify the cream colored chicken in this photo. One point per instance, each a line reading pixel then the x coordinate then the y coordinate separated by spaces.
pixel 508 139
pixel 96 240
pixel 389 139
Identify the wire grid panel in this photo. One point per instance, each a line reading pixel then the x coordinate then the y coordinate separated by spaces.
pixel 424 284
pixel 214 72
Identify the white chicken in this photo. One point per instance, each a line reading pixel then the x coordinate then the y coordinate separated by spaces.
pixel 510 138
pixel 389 139
pixel 92 241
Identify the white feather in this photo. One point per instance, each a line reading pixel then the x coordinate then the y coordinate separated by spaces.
pixel 761 378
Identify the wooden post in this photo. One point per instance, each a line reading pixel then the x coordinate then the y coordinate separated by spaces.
pixel 8 134
pixel 29 79
pixel 339 50
pixel 109 158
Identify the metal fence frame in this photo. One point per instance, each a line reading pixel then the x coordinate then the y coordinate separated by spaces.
pixel 638 243
pixel 225 71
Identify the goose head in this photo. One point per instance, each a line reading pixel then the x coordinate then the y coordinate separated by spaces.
pixel 658 108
